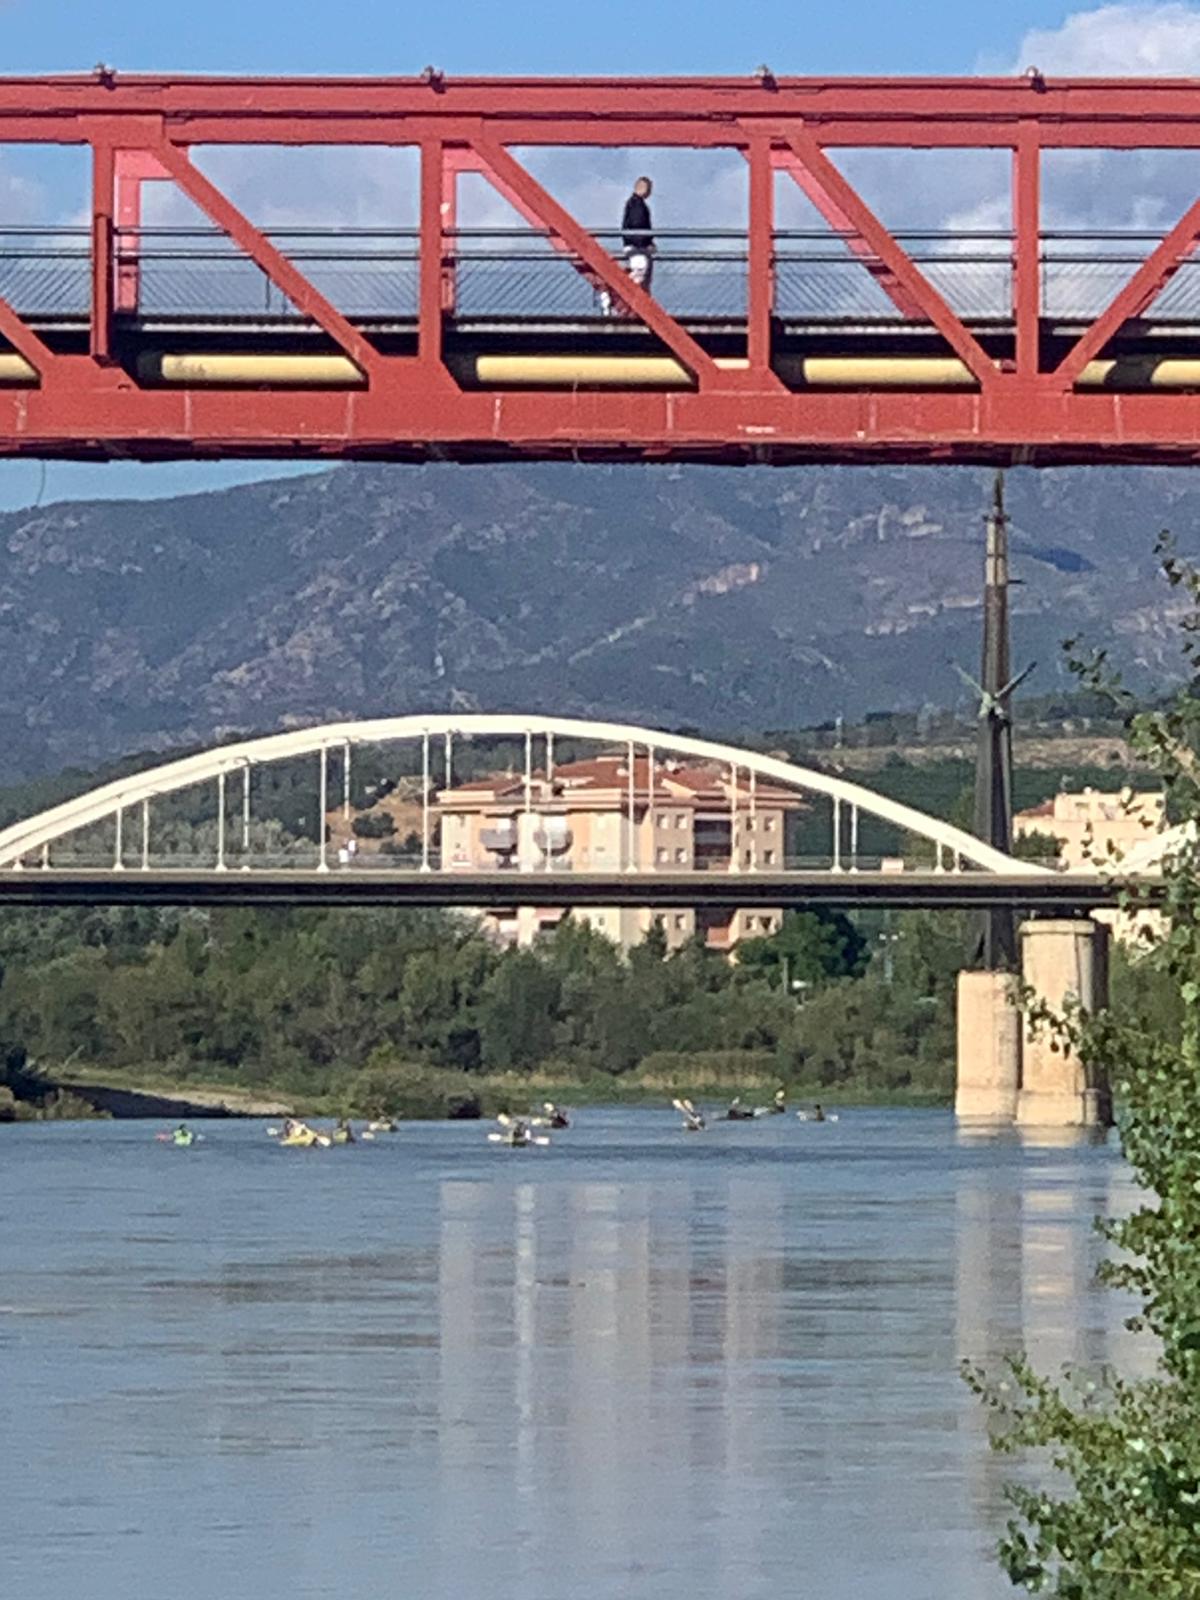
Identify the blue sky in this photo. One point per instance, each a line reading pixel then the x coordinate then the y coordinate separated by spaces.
pixel 537 36
pixel 487 36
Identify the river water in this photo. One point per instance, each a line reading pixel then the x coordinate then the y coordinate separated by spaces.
pixel 638 1365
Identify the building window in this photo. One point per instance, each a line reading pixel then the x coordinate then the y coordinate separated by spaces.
pixel 768 824
pixel 680 920
pixel 681 820
pixel 664 821
pixel 769 858
pixel 662 855
pixel 681 855
pixel 748 858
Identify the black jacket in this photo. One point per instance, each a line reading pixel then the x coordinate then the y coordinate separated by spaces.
pixel 635 224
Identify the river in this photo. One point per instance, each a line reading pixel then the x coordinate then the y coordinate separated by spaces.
pixel 637 1365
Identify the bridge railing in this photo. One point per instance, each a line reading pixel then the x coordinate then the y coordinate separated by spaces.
pixel 193 273
pixel 87 855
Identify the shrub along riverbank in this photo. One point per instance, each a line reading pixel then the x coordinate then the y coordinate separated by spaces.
pixel 417 1013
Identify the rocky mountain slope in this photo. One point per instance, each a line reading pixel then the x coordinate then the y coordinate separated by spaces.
pixel 727 599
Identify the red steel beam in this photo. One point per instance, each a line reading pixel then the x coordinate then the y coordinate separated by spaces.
pixel 82 419
pixel 430 311
pixel 916 112
pixel 26 342
pixel 104 182
pixel 1027 249
pixel 760 266
pixel 910 279
pixel 598 260
pixel 1069 103
pixel 1159 267
pixel 142 128
pixel 263 253
pixel 132 168
pixel 788 161
pixel 459 160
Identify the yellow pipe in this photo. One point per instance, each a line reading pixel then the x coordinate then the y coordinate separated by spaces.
pixel 879 372
pixel 309 372
pixel 641 372
pixel 15 369
pixel 625 371
pixel 1142 372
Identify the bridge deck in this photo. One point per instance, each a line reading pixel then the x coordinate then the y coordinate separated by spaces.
pixel 1056 893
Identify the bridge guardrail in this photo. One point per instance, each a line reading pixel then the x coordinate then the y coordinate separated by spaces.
pixel 373 273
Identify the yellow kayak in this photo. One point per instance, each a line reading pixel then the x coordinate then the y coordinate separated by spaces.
pixel 304 1139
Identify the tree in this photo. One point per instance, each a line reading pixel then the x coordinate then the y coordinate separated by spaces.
pixel 1122 1518
pixel 518 1012
pixel 374 825
pixel 812 947
pixel 1037 846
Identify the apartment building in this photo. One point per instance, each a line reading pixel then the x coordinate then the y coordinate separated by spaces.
pixel 601 815
pixel 1095 827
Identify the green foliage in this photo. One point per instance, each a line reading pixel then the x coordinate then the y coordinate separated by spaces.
pixel 1036 846
pixel 699 1071
pixel 374 825
pixel 391 1086
pixel 875 1035
pixel 518 1010
pixel 302 1003
pixel 811 948
pixel 1121 1518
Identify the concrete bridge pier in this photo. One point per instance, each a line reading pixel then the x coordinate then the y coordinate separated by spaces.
pixel 1063 961
pixel 1009 1071
pixel 989 1047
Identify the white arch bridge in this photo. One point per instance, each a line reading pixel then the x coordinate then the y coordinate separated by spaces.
pixel 101 848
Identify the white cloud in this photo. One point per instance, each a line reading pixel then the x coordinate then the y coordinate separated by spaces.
pixel 1117 41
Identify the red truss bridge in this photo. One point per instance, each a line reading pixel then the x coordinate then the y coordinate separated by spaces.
pixel 847 342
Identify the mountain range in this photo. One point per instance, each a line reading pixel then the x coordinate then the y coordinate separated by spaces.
pixel 720 598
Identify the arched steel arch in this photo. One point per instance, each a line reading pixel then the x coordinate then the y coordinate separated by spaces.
pixel 1149 855
pixel 24 838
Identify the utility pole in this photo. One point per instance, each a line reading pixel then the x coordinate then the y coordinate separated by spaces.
pixel 996 942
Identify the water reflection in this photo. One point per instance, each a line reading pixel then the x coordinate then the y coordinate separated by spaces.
pixel 632 1365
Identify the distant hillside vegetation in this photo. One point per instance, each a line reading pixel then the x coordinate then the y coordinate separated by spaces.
pixel 723 599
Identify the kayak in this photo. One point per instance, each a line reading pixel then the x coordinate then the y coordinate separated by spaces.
pixel 342 1136
pixel 386 1125
pixel 305 1139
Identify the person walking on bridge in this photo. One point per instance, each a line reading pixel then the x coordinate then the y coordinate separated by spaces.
pixel 637 240
pixel 637 235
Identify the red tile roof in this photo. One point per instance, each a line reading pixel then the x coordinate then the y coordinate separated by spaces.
pixel 674 783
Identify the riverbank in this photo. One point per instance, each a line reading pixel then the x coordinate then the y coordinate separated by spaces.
pixel 160 1099
pixel 421 1093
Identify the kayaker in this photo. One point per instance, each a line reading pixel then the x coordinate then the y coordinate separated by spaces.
pixel 817 1114
pixel 780 1102
pixel 183 1135
pixel 344 1133
pixel 693 1120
